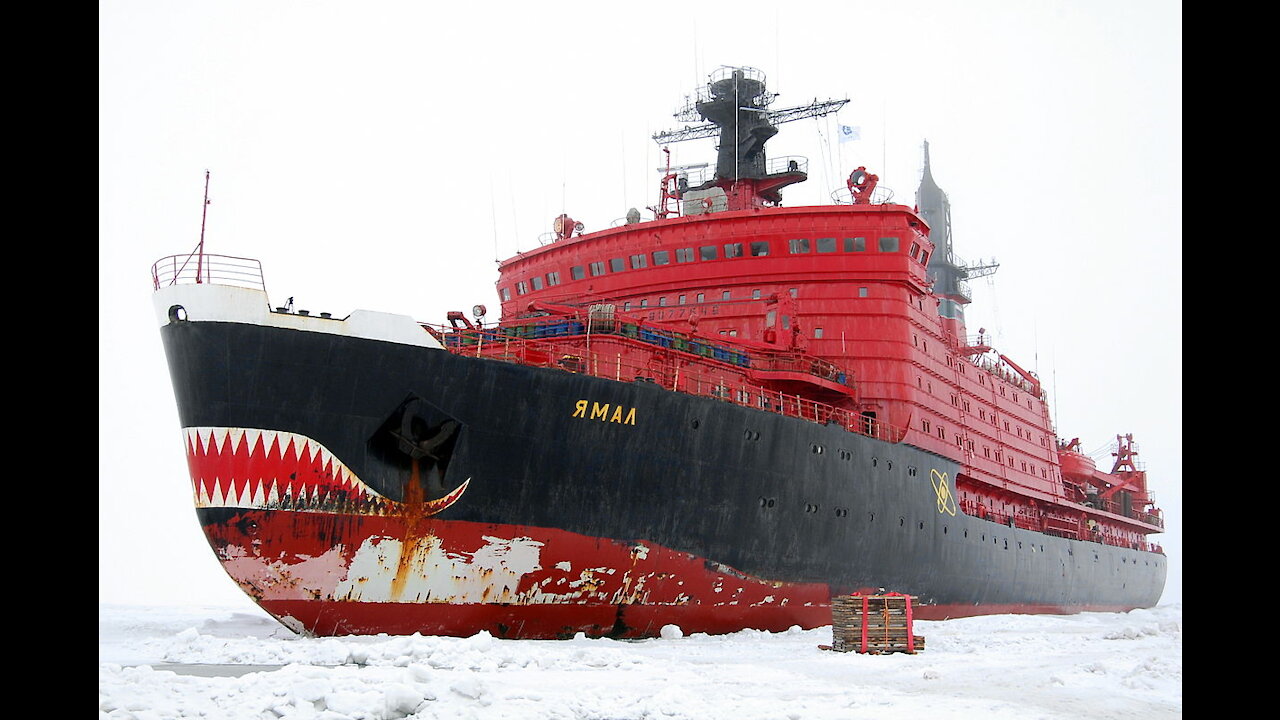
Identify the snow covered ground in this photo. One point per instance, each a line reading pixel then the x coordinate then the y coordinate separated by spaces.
pixel 1093 665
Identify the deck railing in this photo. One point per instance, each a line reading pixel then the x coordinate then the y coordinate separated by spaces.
pixel 609 356
pixel 196 269
pixel 1055 525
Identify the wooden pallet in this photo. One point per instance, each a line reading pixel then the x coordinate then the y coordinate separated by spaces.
pixel 873 624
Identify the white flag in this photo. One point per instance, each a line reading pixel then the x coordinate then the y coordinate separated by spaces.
pixel 848 132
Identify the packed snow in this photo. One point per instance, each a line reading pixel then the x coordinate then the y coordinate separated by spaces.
pixel 220 662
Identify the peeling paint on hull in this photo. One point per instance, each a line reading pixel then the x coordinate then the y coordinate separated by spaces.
pixel 510 580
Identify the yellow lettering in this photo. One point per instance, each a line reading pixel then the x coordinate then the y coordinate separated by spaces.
pixel 599 411
pixel 621 415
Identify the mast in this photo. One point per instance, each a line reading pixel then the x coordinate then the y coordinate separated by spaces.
pixel 948 272
pixel 735 105
pixel 204 214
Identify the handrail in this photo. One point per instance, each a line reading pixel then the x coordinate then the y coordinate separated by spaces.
pixel 566 352
pixel 1053 524
pixel 998 369
pixel 760 360
pixel 196 269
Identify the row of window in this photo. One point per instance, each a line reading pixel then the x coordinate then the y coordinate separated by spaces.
pixel 758 248
pixel 999 456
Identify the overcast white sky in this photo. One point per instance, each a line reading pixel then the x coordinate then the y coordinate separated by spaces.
pixel 381 155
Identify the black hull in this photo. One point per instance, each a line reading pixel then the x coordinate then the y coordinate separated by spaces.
pixel 772 497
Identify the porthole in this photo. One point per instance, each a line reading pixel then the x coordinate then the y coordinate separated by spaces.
pixel 944 529
pixel 816 449
pixel 921 526
pixel 888 464
pixel 177 313
pixel 694 424
pixel 871 517
pixel 902 522
pixel 875 462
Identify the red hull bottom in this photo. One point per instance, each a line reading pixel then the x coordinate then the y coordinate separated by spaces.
pixel 534 622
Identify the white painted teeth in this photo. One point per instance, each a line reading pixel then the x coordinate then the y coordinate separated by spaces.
pixel 301 492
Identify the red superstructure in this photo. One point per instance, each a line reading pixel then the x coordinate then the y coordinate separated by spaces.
pixel 850 313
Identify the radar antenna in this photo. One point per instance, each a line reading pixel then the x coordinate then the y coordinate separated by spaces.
pixel 734 103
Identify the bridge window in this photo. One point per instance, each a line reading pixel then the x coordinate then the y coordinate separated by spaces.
pixel 576 272
pixel 553 278
pixel 760 248
pixel 915 248
pixel 505 293
pixel 826 245
pixel 862 292
pixel 724 295
pixel 618 264
pixel 661 257
pixel 537 282
pixel 709 252
pixel 701 297
pixel 639 261
pixel 684 255
pixel 755 294
pixel 682 297
pixel 732 250
pixel 888 244
pixel 521 288
pixel 644 303
pixel 924 258
pixel 662 301
pixel 817 332
pixel 597 268
pixel 798 245
pixel 855 244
